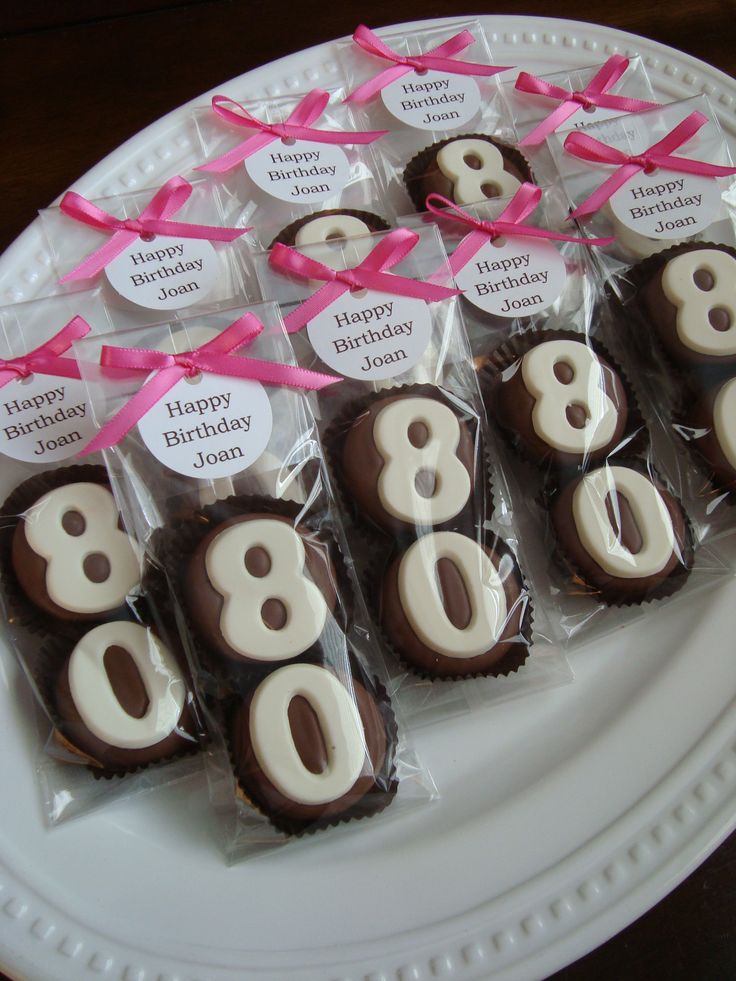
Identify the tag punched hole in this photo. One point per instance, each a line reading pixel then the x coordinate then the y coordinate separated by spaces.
pixel 359 292
pixel 288 140
pixel 588 108
pixel 148 237
pixel 193 379
pixel 499 242
pixel 421 71
pixel 27 380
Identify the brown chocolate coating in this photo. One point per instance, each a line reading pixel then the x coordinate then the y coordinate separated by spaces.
pixel 30 570
pixel 361 463
pixel 614 589
pixel 511 404
pixel 705 440
pixel 288 235
pixel 204 603
pixel 131 693
pixel 422 176
pixel 662 314
pixel 310 744
pixel 502 656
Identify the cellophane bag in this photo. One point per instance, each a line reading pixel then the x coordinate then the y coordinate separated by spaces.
pixel 116 713
pixel 428 515
pixel 224 480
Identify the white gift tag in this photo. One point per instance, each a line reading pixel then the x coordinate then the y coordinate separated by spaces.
pixel 519 277
pixel 209 426
pixel 585 117
pixel 164 273
pixel 44 418
pixel 302 171
pixel 433 100
pixel 666 205
pixel 373 336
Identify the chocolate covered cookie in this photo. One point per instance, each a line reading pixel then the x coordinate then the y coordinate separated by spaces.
pixel 561 403
pixel 70 556
pixel 622 533
pixel 308 748
pixel 452 607
pixel 122 699
pixel 713 422
pixel 259 589
pixel 465 169
pixel 690 302
pixel 408 461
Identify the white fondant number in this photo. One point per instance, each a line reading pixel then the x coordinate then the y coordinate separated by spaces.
pixel 585 390
pixel 244 594
pixel 96 701
pixel 601 539
pixel 67 582
pixel 475 168
pixel 273 741
pixel 694 305
pixel 421 596
pixel 404 463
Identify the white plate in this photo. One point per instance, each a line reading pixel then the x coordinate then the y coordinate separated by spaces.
pixel 565 815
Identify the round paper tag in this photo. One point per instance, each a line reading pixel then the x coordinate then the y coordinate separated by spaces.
pixel 373 336
pixel 585 117
pixel 302 171
pixel 44 418
pixel 165 273
pixel 514 279
pixel 667 205
pixel 209 426
pixel 433 100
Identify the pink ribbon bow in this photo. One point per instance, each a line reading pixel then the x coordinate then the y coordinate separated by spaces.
pixel 151 221
pixel 443 58
pixel 46 359
pixel 509 222
pixel 214 356
pixel 369 274
pixel 595 93
pixel 658 155
pixel 296 127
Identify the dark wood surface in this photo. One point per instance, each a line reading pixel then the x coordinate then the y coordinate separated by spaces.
pixel 77 79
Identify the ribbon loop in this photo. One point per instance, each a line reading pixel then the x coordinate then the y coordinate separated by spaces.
pixel 657 155
pixel 46 359
pixel 215 356
pixel 152 220
pixel 442 58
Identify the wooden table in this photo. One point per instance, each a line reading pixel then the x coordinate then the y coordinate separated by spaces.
pixel 78 79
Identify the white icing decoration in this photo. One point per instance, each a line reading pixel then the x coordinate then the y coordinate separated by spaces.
pixel 66 582
pixel 339 721
pixel 243 594
pixel 552 397
pixel 468 182
pixel 95 699
pixel 649 511
pixel 724 420
pixel 403 462
pixel 327 227
pixel 421 597
pixel 693 304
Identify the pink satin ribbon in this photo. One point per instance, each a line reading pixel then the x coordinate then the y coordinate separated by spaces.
pixel 296 127
pixel 46 359
pixel 215 357
pixel 595 93
pixel 151 221
pixel 656 156
pixel 509 222
pixel 369 274
pixel 443 58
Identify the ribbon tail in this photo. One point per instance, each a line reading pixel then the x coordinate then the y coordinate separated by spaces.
pixel 134 410
pixel 313 306
pixel 275 373
pixel 555 119
pixel 97 261
pixel 465 251
pixel 373 86
pixel 239 153
pixel 598 198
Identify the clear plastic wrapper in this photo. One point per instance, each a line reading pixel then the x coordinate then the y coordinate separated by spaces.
pixel 434 539
pixel 307 163
pixel 565 100
pixel 652 179
pixel 512 281
pixel 134 254
pixel 116 712
pixel 429 105
pixel 223 478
